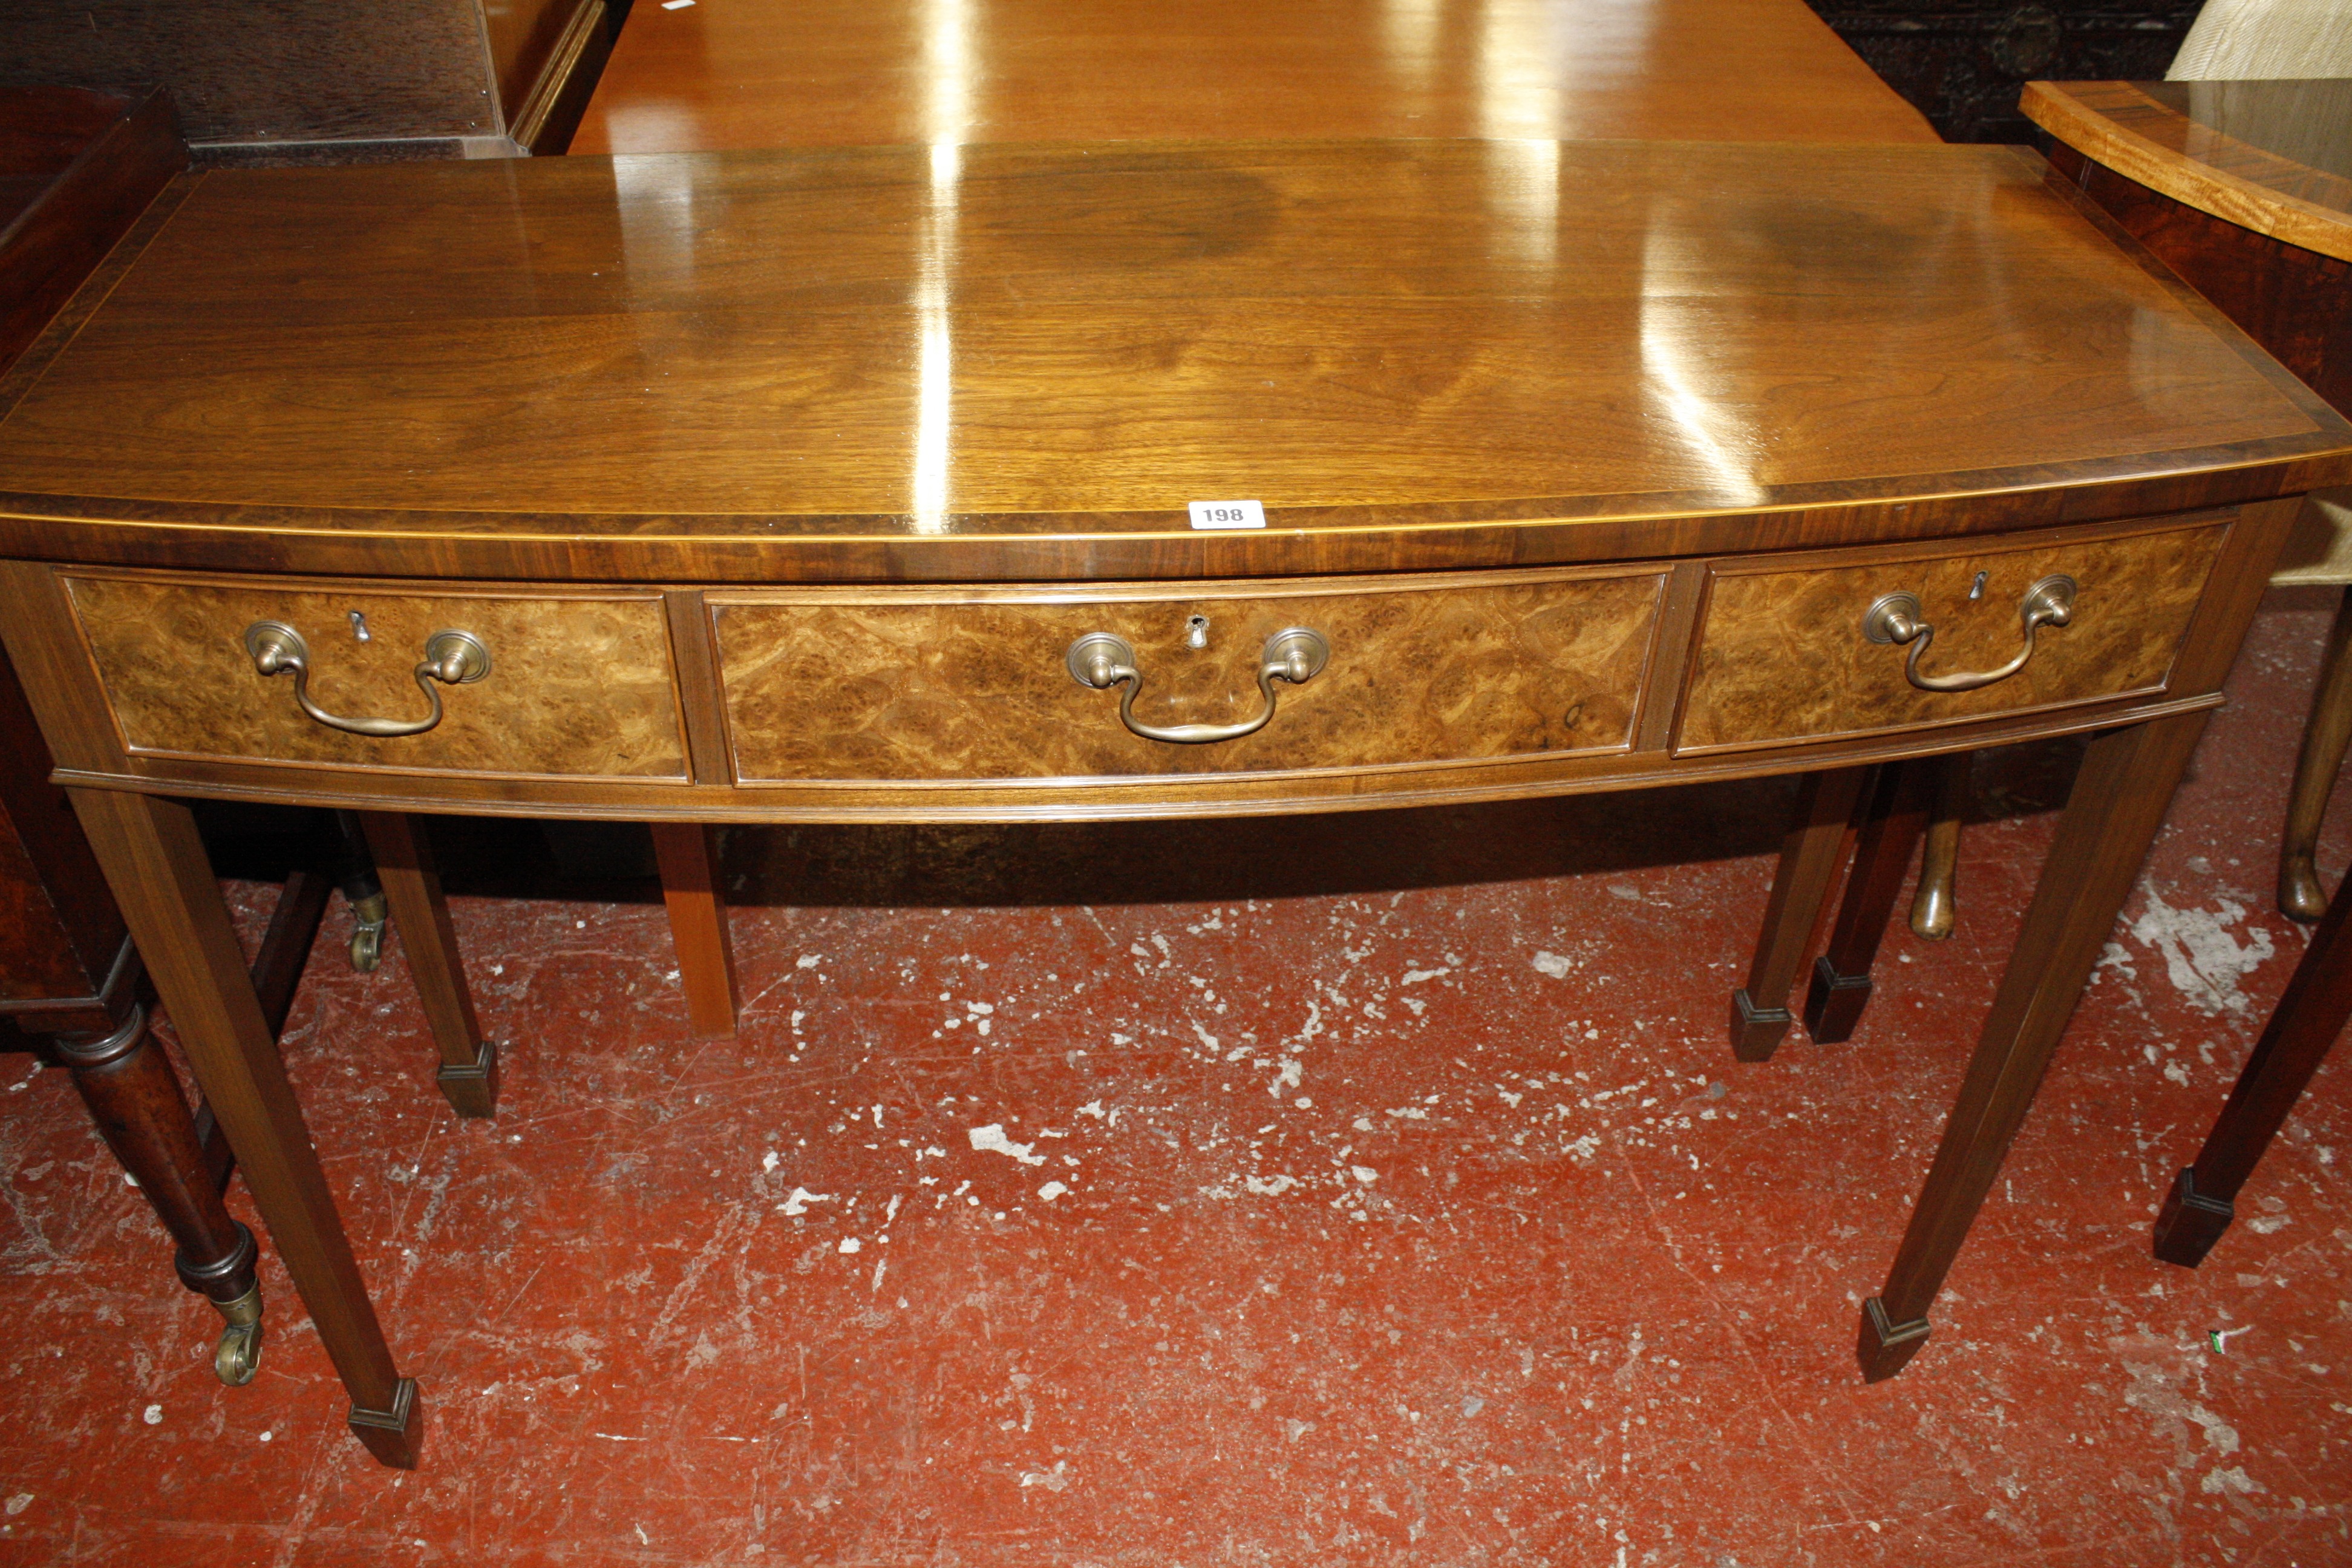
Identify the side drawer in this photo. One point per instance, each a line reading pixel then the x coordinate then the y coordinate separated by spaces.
pixel 579 684
pixel 1782 654
pixel 914 684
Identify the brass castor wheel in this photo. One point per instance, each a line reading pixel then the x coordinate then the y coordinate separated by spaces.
pixel 239 1354
pixel 367 939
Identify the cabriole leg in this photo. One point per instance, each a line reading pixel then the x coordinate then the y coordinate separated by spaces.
pixel 1935 905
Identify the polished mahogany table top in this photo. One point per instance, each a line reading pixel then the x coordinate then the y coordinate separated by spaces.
pixel 881 362
pixel 771 73
pixel 2271 156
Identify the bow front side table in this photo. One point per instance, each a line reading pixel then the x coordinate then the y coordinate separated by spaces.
pixel 938 484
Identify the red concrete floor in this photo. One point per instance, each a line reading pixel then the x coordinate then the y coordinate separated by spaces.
pixel 1368 1189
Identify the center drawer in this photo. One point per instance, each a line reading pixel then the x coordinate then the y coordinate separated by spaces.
pixel 920 684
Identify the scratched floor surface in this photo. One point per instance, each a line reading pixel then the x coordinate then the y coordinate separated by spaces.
pixel 1368 1189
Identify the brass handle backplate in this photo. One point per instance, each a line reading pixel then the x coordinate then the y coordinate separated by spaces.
pixel 1101 661
pixel 452 658
pixel 1896 618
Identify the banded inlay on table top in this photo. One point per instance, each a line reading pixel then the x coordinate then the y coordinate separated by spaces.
pixel 1025 361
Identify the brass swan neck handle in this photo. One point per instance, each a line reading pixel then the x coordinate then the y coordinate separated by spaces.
pixel 451 658
pixel 1896 618
pixel 1100 662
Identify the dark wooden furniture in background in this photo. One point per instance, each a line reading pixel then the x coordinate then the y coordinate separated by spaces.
pixel 77 168
pixel 2302 1028
pixel 2244 189
pixel 323 81
pixel 1961 62
pixel 1563 531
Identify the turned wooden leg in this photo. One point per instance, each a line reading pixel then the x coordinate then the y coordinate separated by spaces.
pixel 155 864
pixel 134 1097
pixel 1882 854
pixel 2118 801
pixel 412 888
pixel 355 875
pixel 2301 1028
pixel 688 853
pixel 1935 905
pixel 2325 735
pixel 1809 862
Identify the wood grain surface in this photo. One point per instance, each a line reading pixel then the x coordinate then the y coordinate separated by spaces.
pixel 829 361
pixel 1781 654
pixel 577 685
pixel 774 73
pixel 2271 156
pixel 927 687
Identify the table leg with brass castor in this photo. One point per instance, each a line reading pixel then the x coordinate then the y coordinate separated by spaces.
pixel 469 1074
pixel 1882 855
pixel 155 863
pixel 355 875
pixel 134 1097
pixel 1809 855
pixel 2118 801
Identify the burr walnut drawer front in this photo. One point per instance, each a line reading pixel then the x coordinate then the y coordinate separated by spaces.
pixel 912 685
pixel 534 684
pixel 1915 637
